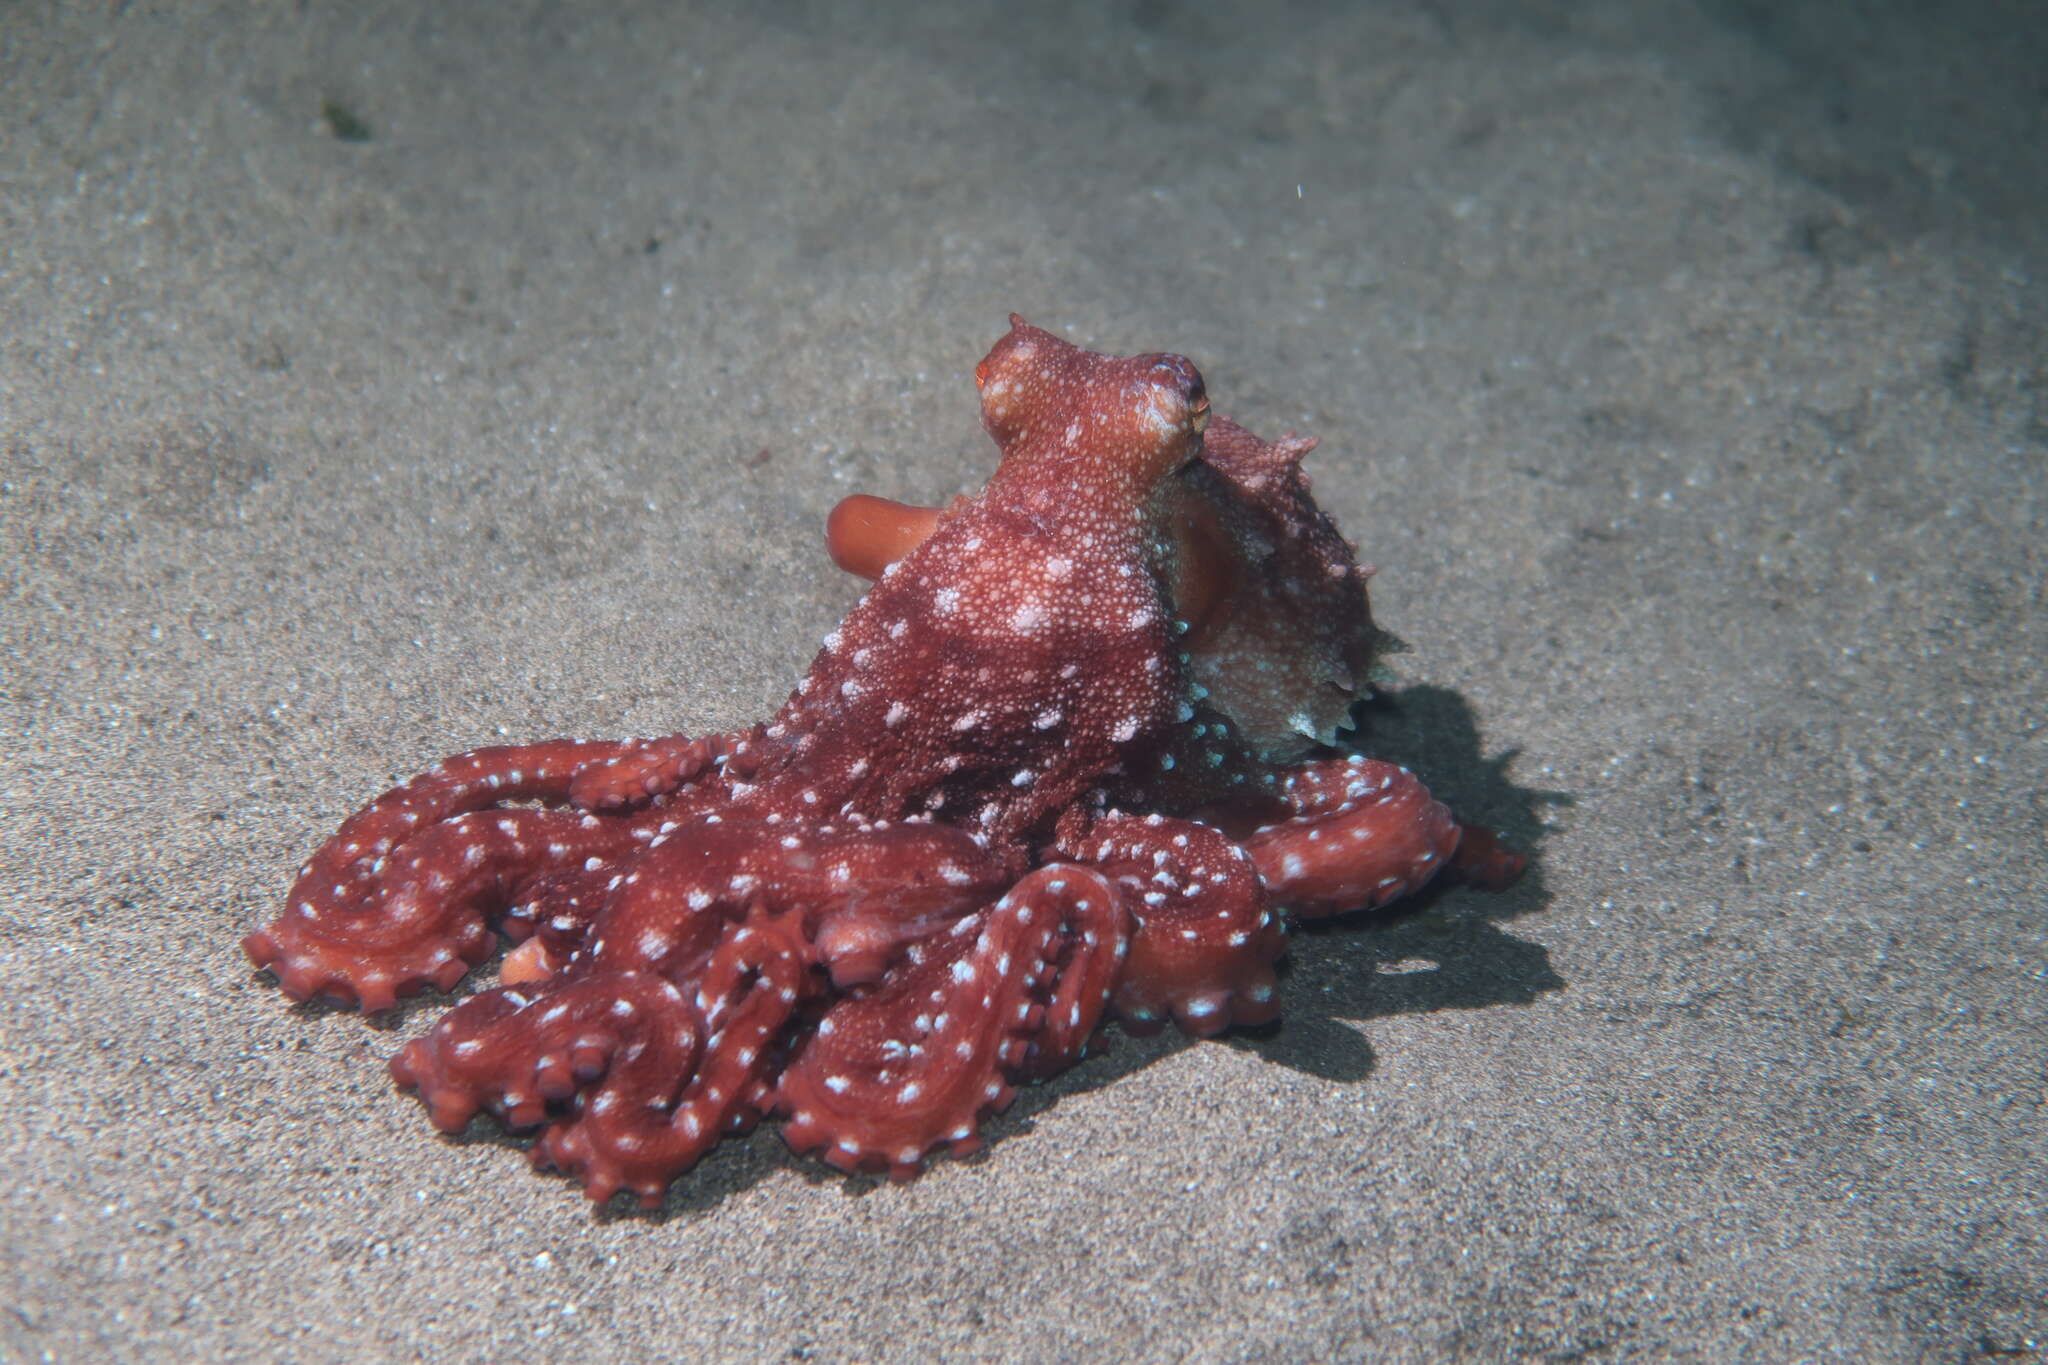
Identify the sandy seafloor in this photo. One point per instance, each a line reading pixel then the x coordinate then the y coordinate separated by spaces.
pixel 1682 367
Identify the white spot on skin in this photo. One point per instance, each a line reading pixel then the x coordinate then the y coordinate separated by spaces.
pixel 898 713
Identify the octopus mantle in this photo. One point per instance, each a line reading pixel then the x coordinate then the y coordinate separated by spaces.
pixel 1067 761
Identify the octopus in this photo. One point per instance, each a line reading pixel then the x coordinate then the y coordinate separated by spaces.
pixel 1071 760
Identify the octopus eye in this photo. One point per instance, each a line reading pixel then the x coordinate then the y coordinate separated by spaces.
pixel 1198 411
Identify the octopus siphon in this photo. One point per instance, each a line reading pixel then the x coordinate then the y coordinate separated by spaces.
pixel 1070 760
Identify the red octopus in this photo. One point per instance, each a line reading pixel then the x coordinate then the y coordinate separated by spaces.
pixel 1056 767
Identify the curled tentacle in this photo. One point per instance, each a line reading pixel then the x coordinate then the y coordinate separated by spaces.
pixel 913 1062
pixel 393 901
pixel 351 861
pixel 515 1050
pixel 665 1101
pixel 422 914
pixel 1088 960
pixel 1363 832
pixel 1205 938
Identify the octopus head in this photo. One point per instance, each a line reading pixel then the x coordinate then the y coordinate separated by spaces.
pixel 1080 422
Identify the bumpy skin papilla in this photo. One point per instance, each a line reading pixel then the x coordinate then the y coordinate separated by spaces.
pixel 1067 761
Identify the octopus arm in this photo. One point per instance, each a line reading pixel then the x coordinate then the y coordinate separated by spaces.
pixel 1360 833
pixel 515 1050
pixel 401 897
pixel 647 768
pixel 914 1062
pixel 1204 939
pixel 860 893
pixel 652 1072
pixel 655 1115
